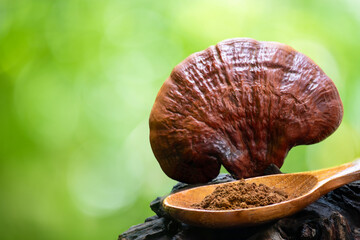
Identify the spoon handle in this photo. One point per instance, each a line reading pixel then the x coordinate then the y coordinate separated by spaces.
pixel 332 178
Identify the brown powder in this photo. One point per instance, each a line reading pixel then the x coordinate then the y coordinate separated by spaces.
pixel 241 195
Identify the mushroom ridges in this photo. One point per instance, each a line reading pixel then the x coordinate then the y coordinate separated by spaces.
pixel 242 104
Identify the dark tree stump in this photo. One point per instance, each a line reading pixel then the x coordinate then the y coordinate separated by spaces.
pixel 334 216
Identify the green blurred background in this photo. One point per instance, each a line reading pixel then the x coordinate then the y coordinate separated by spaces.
pixel 77 82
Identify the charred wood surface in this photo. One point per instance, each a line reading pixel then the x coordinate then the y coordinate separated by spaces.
pixel 334 216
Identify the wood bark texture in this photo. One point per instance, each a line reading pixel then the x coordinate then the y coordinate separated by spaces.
pixel 335 216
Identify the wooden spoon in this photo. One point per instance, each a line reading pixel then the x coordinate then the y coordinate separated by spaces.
pixel 302 188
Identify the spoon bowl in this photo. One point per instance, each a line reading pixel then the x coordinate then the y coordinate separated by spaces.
pixel 302 189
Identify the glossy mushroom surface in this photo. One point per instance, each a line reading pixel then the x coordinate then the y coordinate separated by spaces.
pixel 242 104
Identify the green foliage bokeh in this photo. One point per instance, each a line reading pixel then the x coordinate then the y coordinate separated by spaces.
pixel 77 82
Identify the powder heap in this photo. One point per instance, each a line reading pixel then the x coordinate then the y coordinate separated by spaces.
pixel 241 195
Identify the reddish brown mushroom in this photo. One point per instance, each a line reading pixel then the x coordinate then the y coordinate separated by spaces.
pixel 243 104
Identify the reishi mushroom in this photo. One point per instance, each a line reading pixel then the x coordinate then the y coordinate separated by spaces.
pixel 242 104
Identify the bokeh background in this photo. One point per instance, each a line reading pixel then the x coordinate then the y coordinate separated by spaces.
pixel 77 82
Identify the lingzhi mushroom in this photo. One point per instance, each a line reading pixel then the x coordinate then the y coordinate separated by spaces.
pixel 242 104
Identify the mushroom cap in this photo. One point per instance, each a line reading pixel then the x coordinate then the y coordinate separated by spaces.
pixel 242 104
